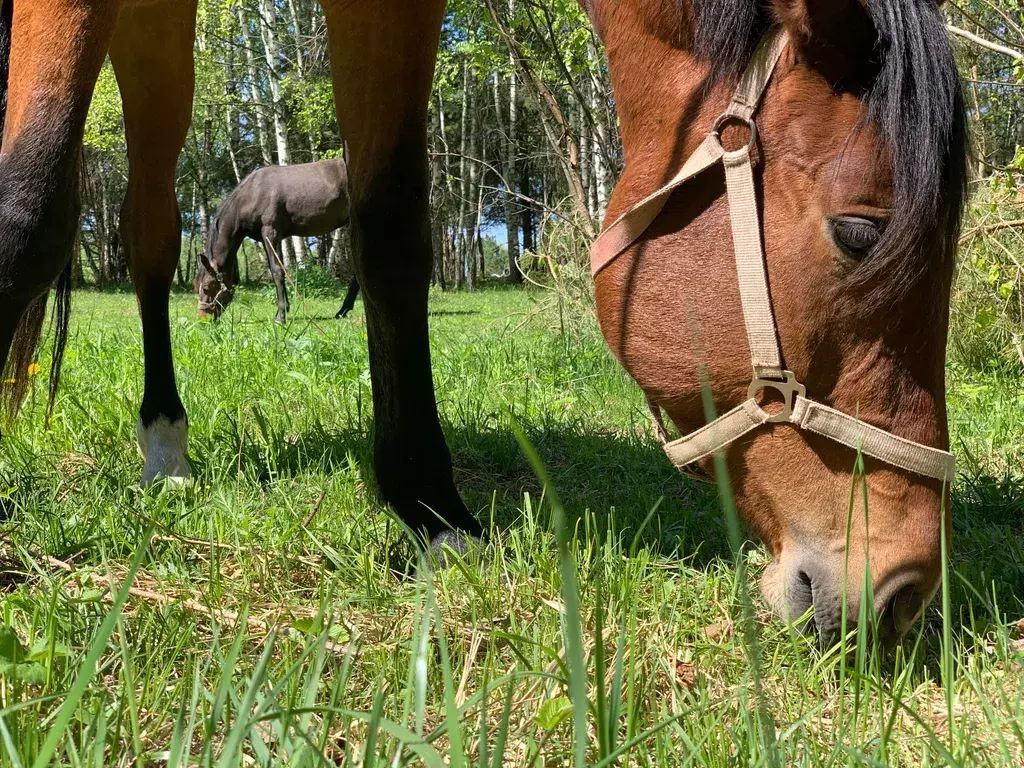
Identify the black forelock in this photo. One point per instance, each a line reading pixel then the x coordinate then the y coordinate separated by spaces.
pixel 916 104
pixel 726 33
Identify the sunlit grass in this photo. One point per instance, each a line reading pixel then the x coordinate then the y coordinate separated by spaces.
pixel 266 624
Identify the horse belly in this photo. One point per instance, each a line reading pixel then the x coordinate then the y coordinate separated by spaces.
pixel 317 218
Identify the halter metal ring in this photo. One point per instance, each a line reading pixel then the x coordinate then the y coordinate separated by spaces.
pixel 789 388
pixel 727 117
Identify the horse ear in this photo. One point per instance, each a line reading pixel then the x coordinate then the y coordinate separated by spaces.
pixel 831 34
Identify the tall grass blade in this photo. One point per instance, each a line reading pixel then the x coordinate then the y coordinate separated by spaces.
pixel 498 753
pixel 242 725
pixel 91 662
pixel 573 621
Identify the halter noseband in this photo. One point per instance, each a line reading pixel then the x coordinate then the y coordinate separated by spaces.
pixel 207 306
pixel 766 357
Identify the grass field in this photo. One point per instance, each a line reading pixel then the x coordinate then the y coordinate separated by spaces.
pixel 265 627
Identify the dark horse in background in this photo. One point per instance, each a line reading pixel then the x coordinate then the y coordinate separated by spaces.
pixel 860 168
pixel 270 204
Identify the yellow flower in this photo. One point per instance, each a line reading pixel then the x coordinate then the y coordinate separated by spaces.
pixel 33 369
pixel 8 381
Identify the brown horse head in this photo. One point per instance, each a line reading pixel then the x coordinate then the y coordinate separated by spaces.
pixel 216 276
pixel 860 169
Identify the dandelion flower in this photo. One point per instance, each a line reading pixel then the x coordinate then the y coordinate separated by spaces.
pixel 33 369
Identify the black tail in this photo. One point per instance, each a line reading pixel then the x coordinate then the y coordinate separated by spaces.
pixel 6 15
pixel 21 365
pixel 61 321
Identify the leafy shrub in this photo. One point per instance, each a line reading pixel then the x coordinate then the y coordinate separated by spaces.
pixel 315 282
pixel 987 317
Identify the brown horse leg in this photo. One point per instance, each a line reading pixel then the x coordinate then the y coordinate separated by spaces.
pixel 56 51
pixel 382 57
pixel 152 57
pixel 272 247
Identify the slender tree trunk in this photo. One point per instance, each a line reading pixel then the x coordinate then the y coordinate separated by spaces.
pixel 463 180
pixel 476 152
pixel 449 274
pixel 478 237
pixel 508 172
pixel 185 276
pixel 526 186
pixel 586 158
pixel 296 251
pixel 230 111
pixel 300 69
pixel 255 93
pixel 437 188
pixel 603 181
pixel 556 126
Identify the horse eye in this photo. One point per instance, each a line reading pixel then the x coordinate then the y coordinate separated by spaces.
pixel 856 237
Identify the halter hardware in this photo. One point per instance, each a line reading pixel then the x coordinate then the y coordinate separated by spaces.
pixel 789 388
pixel 755 297
pixel 728 117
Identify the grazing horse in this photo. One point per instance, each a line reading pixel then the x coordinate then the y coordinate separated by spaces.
pixel 270 204
pixel 826 244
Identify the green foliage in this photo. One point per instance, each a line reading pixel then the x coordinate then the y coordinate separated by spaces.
pixel 315 282
pixel 993 80
pixel 104 128
pixel 16 663
pixel 312 105
pixel 987 323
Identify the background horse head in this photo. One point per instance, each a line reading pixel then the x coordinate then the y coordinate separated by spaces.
pixel 860 171
pixel 216 274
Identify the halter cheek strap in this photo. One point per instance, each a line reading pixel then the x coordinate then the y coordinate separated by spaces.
pixel 765 354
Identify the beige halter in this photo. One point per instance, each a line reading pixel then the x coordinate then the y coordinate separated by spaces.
pixel 757 310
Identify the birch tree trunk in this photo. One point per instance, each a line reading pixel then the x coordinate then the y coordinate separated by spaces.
pixel 556 126
pixel 296 250
pixel 255 93
pixel 449 271
pixel 475 191
pixel 463 181
pixel 507 159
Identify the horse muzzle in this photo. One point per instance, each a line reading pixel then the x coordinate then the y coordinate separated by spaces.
pixel 794 589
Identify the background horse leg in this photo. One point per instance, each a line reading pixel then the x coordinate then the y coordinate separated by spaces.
pixel 350 299
pixel 382 57
pixel 272 247
pixel 56 50
pixel 152 57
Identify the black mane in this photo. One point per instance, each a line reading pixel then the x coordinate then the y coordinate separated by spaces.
pixel 916 103
pixel 6 15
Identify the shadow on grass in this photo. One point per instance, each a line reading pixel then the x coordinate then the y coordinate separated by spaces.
pixel 987 559
pixel 618 479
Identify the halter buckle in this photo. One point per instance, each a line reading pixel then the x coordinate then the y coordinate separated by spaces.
pixel 728 117
pixel 789 388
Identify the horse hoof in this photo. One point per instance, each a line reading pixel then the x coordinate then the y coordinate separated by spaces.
pixel 449 545
pixel 164 448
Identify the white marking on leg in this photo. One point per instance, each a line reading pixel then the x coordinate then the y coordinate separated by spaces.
pixel 164 448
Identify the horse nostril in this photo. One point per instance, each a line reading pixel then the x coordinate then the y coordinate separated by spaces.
pixel 902 610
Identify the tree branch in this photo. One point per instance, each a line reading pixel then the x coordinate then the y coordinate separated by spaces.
pixel 987 44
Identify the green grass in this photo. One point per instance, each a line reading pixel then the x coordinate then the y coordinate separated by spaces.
pixel 265 626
